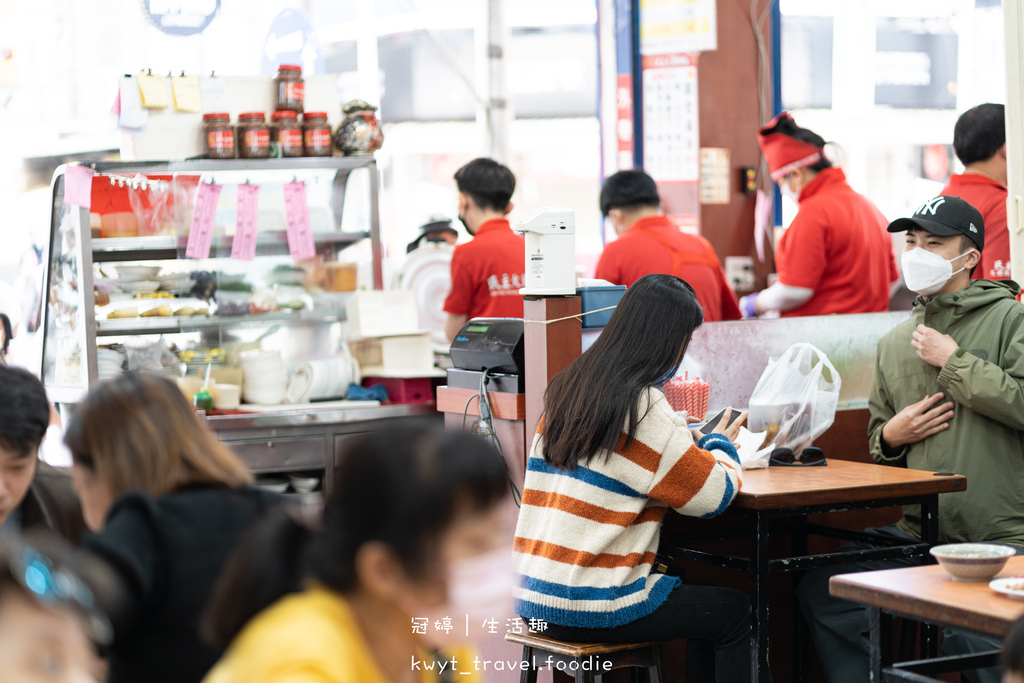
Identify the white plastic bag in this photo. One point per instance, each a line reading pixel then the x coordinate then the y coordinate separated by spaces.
pixel 796 397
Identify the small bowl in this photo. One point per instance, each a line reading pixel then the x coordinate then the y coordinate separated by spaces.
pixel 304 484
pixel 272 484
pixel 972 561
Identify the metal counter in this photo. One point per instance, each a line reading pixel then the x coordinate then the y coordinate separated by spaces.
pixel 302 440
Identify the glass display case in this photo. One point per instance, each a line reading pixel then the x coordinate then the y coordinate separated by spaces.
pixel 126 288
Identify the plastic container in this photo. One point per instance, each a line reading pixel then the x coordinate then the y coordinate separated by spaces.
pixel 406 389
pixel 232 303
pixel 595 298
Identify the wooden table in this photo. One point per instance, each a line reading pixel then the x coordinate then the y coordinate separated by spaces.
pixel 929 594
pixel 794 493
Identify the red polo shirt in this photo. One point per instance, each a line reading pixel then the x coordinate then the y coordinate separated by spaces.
pixel 838 246
pixel 988 197
pixel 487 273
pixel 656 245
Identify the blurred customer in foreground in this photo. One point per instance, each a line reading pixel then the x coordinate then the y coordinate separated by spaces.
pixel 50 618
pixel 979 140
pixel 410 538
pixel 167 501
pixel 835 257
pixel 33 495
pixel 487 272
pixel 648 242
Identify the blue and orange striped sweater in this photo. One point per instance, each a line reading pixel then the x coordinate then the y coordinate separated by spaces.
pixel 586 538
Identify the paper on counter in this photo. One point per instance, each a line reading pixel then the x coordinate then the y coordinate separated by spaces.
pixel 592 282
pixel 747 445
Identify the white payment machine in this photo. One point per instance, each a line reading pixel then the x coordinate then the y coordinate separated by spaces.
pixel 550 233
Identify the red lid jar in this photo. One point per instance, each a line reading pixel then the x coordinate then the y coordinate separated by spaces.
pixel 285 134
pixel 316 134
pixel 219 135
pixel 291 89
pixel 253 136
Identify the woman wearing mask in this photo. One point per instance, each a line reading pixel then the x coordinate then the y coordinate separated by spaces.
pixel 410 538
pixel 167 501
pixel 835 257
pixel 609 460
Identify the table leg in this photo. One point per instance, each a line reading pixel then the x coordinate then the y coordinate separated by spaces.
pixel 930 535
pixel 798 547
pixel 759 600
pixel 879 643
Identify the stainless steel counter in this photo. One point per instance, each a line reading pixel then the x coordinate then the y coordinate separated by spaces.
pixel 305 417
pixel 306 440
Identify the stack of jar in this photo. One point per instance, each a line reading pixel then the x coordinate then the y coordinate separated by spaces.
pixel 283 137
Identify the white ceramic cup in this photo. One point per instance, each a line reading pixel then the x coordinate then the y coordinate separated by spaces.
pixel 228 397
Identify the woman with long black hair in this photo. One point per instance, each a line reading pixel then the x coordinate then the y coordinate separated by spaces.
pixel 609 459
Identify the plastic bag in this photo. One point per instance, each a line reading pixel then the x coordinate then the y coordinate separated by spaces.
pixel 796 397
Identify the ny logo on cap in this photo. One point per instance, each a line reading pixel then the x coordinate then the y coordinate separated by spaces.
pixel 930 206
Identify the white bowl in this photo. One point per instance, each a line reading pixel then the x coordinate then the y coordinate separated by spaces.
pixel 304 484
pixel 144 287
pixel 140 272
pixel 972 561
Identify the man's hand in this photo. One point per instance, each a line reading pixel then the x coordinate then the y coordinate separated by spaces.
pixel 933 347
pixel 917 421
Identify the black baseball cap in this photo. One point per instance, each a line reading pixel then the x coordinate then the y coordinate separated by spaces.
pixel 945 216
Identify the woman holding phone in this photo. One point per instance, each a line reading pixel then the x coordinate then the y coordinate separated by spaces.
pixel 609 459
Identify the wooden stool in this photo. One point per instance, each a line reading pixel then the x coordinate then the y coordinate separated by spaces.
pixel 585 662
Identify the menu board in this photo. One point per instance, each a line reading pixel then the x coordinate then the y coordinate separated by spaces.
pixel 671 142
pixel 670 26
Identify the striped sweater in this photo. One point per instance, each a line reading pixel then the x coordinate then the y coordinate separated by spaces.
pixel 586 538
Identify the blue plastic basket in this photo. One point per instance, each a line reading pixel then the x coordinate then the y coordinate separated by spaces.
pixel 596 298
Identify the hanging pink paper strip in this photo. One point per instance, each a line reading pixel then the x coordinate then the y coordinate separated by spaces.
pixel 300 236
pixel 244 246
pixel 201 234
pixel 78 186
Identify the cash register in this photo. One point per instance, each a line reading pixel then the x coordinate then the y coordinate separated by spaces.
pixel 491 345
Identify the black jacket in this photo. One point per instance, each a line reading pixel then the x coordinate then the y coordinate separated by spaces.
pixel 51 505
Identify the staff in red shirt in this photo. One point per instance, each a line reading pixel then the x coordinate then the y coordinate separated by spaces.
pixel 487 272
pixel 836 256
pixel 979 140
pixel 648 243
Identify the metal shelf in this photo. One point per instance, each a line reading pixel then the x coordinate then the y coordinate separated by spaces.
pixel 162 248
pixel 112 327
pixel 219 165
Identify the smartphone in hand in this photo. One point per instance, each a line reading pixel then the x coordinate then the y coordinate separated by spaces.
pixel 712 423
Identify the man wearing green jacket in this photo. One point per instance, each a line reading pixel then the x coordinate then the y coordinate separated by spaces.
pixel 947 396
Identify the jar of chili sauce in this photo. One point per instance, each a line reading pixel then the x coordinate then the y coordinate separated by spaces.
pixel 253 136
pixel 220 136
pixel 291 89
pixel 285 134
pixel 317 134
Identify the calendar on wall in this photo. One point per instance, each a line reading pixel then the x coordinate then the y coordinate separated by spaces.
pixel 671 143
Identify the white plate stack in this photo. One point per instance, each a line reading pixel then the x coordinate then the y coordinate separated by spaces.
pixel 263 377
pixel 322 379
pixel 109 363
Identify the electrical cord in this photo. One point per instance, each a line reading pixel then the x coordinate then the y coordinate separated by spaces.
pixel 484 427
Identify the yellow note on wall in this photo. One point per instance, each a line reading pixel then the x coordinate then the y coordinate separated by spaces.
pixel 153 90
pixel 186 93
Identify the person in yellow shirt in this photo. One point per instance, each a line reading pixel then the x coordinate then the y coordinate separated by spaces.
pixel 409 557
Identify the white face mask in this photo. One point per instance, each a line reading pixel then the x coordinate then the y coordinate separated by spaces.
pixel 926 272
pixel 478 587
pixel 787 191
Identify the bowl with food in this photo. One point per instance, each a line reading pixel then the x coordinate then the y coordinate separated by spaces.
pixel 972 561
